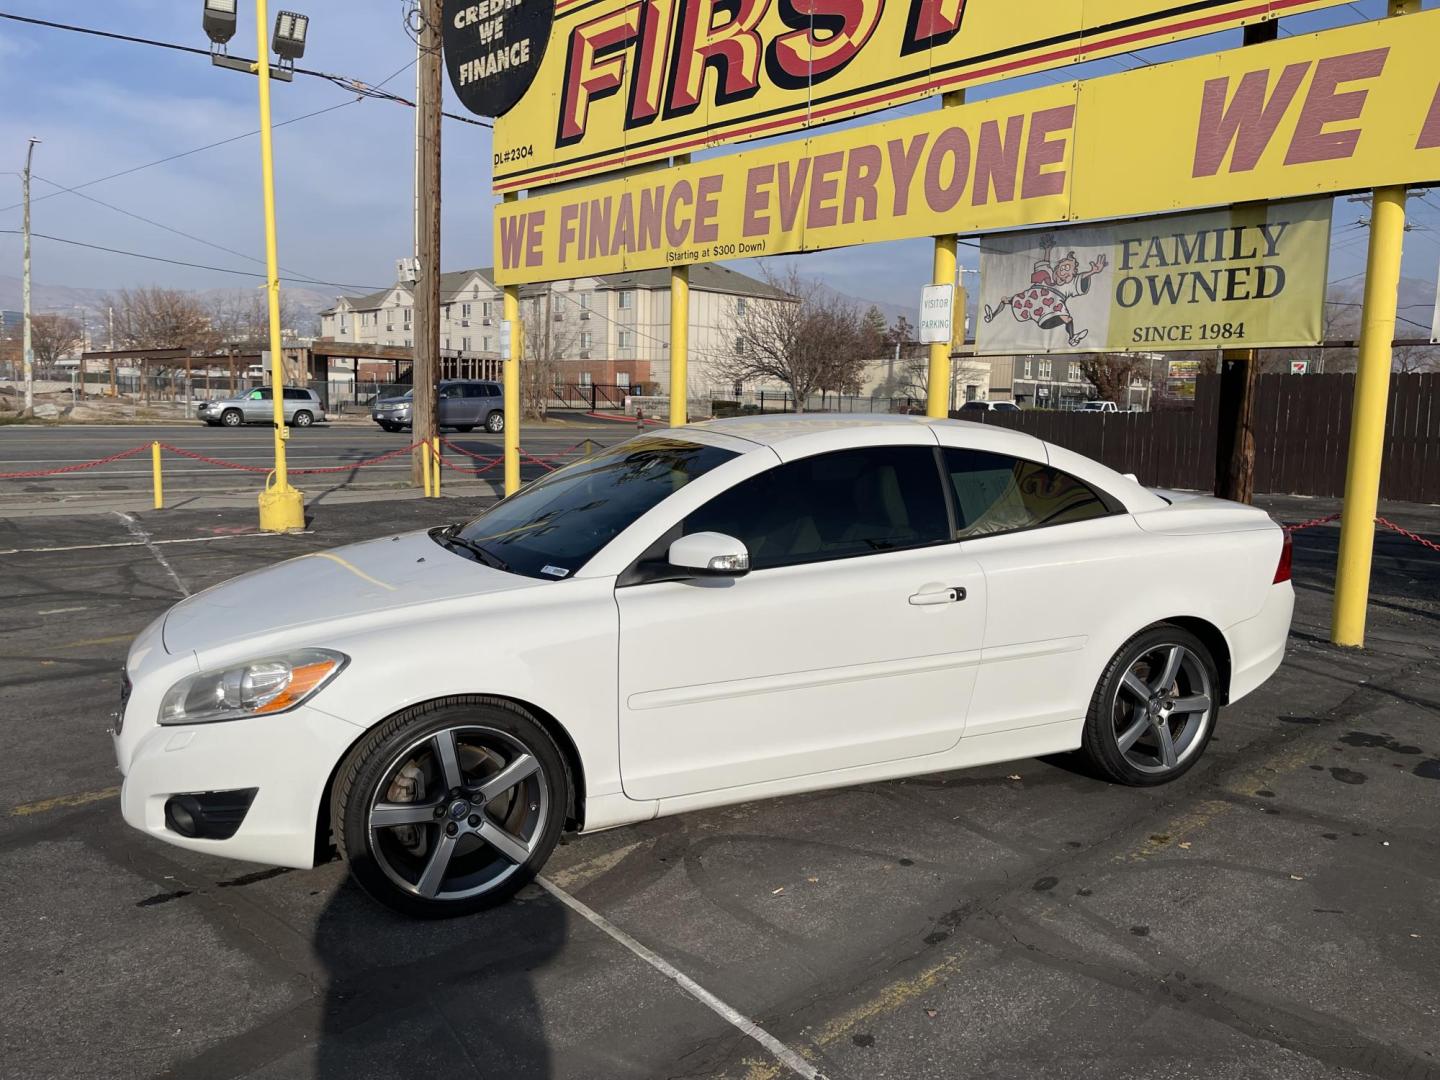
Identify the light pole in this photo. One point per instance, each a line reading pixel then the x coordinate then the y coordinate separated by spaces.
pixel 282 508
pixel 29 353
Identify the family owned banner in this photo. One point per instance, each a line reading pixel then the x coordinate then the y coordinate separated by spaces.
pixel 1242 277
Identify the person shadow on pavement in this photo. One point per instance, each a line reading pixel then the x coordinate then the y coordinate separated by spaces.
pixel 453 998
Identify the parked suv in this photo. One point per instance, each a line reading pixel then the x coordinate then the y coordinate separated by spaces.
pixel 462 404
pixel 302 408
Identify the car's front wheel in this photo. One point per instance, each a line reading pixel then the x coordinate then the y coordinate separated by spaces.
pixel 451 806
pixel 1154 709
pixel 389 427
pixel 231 418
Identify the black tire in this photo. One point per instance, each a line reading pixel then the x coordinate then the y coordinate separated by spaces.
pixel 1117 710
pixel 389 427
pixel 400 755
pixel 232 418
pixel 465 427
pixel 302 419
pixel 495 422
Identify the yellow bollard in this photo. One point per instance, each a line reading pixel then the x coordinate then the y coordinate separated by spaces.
pixel 425 472
pixel 158 480
pixel 435 447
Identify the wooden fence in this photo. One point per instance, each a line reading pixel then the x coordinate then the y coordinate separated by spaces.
pixel 1302 435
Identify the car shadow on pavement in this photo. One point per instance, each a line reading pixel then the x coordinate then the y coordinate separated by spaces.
pixel 455 997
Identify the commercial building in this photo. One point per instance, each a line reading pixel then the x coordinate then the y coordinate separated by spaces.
pixel 609 329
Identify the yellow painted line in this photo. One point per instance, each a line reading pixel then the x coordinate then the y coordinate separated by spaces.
pixel 348 566
pixel 892 997
pixel 62 801
pixel 1180 829
pixel 98 641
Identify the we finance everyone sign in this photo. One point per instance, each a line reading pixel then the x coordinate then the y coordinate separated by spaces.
pixel 1343 110
pixel 629 81
pixel 1243 277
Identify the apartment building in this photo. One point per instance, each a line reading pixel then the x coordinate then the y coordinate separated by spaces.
pixel 610 329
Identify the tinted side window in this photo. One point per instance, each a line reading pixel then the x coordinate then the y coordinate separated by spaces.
pixel 452 390
pixel 996 493
pixel 260 395
pixel 297 395
pixel 832 506
pixel 474 390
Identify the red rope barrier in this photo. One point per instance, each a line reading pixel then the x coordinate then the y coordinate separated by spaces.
pixel 1311 523
pixel 192 455
pixel 76 468
pixel 1408 534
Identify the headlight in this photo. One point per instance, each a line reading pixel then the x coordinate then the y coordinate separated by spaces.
pixel 261 687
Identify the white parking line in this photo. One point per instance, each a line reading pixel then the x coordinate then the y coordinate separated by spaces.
pixel 143 537
pixel 783 1053
pixel 148 543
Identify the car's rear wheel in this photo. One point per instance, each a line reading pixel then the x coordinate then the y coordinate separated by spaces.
pixel 450 807
pixel 1154 709
pixel 495 422
pixel 303 419
pixel 231 418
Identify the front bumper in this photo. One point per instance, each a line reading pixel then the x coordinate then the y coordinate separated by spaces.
pixel 289 758
pixel 390 417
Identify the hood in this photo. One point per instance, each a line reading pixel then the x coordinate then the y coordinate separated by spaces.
pixel 375 578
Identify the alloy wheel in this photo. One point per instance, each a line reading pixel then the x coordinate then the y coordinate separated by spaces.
pixel 457 812
pixel 1162 708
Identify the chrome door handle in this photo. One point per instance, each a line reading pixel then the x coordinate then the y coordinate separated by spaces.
pixel 939 596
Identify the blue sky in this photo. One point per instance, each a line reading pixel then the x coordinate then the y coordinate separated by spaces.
pixel 344 178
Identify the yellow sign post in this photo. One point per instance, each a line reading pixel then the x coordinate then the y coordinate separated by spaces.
pixel 1308 115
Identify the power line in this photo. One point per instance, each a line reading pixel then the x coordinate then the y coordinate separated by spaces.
pixel 345 82
pixel 184 154
pixel 181 262
pixel 170 228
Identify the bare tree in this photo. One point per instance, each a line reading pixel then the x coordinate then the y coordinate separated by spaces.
pixel 243 316
pixel 814 341
pixel 153 318
pixel 548 340
pixel 1111 374
pixel 1415 359
pixel 53 337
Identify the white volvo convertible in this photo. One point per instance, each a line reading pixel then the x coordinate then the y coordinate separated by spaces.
pixel 728 611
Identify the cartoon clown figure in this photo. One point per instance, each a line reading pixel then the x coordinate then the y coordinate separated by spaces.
pixel 1053 284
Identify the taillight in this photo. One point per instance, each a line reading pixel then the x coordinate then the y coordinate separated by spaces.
pixel 1282 568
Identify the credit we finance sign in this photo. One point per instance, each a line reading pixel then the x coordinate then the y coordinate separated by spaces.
pixel 628 81
pixel 1342 110
pixel 1247 276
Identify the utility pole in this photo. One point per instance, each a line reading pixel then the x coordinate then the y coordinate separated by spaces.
pixel 29 353
pixel 427 286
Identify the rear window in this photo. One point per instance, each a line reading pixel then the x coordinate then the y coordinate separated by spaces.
pixel 297 395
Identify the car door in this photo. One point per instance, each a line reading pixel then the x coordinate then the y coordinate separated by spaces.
pixel 852 641
pixel 258 406
pixel 1060 558
pixel 451 405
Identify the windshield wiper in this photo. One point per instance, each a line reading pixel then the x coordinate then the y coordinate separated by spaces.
pixel 450 534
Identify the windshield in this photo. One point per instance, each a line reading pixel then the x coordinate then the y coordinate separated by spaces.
pixel 556 525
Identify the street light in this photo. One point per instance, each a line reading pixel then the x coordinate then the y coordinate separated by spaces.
pixel 220 21
pixel 282 507
pixel 290 31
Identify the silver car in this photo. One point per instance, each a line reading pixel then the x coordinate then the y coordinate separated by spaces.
pixel 462 404
pixel 302 408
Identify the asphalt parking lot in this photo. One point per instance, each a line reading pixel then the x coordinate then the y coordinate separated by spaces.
pixel 1275 913
pixel 344 450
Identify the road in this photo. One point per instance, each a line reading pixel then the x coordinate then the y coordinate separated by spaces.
pixel 126 484
pixel 1270 916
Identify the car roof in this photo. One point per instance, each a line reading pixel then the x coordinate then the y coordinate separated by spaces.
pixel 790 435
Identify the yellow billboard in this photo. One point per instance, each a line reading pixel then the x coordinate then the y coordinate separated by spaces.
pixel 628 81
pixel 1245 276
pixel 1342 110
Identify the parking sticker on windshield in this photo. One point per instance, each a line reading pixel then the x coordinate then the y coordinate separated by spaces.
pixel 554 571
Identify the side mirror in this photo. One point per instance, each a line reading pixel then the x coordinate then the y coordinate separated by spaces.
pixel 710 553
